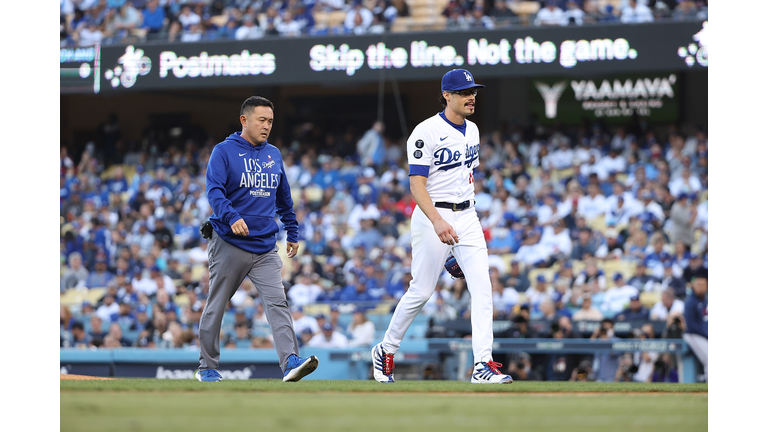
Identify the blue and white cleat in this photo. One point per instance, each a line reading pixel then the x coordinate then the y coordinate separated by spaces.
pixel 383 365
pixel 299 367
pixel 488 373
pixel 208 375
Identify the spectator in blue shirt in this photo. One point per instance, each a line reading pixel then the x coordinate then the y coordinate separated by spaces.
pixel 357 292
pixel 327 175
pixel 80 339
pixel 101 277
pixel 154 17
pixel 655 260
pixel 636 311
pixel 368 236
pixel 696 316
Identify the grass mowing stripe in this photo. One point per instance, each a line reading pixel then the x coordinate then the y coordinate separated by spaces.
pixel 315 386
pixel 235 411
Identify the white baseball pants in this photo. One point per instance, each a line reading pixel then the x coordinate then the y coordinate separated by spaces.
pixel 429 255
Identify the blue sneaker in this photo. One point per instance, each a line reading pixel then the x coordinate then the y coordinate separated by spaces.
pixel 208 375
pixel 299 367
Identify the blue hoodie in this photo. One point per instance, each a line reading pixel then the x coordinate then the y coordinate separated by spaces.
pixel 248 182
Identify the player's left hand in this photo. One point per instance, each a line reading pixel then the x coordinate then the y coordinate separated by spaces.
pixel 293 249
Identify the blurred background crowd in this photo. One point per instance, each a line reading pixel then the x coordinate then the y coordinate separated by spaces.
pixel 596 223
pixel 90 22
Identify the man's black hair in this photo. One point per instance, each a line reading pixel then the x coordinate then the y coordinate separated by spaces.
pixel 255 101
pixel 441 100
pixel 77 325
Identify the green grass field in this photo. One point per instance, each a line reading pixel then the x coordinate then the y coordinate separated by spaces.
pixel 271 405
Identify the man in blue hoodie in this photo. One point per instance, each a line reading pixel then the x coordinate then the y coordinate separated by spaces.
pixel 247 187
pixel 696 314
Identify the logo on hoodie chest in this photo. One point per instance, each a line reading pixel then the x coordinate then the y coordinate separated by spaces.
pixel 259 176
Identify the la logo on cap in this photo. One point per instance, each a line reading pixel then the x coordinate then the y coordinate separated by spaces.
pixel 469 77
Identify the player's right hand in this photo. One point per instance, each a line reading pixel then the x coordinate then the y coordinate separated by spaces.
pixel 446 233
pixel 240 228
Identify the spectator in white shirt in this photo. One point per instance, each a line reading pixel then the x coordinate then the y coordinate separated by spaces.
pixel 108 308
pixel 593 204
pixel 364 210
pixel 531 252
pixel 617 298
pixel 302 321
pixel 584 152
pixel 143 283
pixel 361 329
pixel 685 183
pixel 573 14
pixel 636 13
pixel 358 18
pixel 90 34
pixel 593 166
pixel 538 292
pixel 551 15
pixel 650 206
pixel 249 29
pixel 557 240
pixel 304 292
pixel 614 161
pixel 328 338
pixel 561 158
pixel 188 18
pixel 287 26
pixel 668 304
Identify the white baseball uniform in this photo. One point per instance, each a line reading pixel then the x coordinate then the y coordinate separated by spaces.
pixel 447 157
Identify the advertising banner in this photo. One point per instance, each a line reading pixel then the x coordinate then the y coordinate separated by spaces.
pixel 521 52
pixel 612 98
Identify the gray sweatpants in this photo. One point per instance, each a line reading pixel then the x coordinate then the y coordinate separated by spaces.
pixel 228 266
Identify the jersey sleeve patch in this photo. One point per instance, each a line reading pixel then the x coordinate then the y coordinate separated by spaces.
pixel 419 170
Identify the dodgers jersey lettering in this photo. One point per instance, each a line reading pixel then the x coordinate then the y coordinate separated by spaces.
pixel 447 158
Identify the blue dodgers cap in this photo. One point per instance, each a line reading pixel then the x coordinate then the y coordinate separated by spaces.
pixel 617 276
pixel 458 79
pixel 327 326
pixel 541 278
pixel 557 296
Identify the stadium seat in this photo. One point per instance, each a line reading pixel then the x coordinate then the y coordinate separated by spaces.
pixel 525 9
pixel 578 266
pixel 610 267
pixel 131 335
pixel 400 25
pixel 336 18
pixel 321 19
pixel 197 271
pixel 650 298
pixel 73 297
pixel 181 300
pixel 598 223
pixel 507 261
pixel 95 294
pixel 219 20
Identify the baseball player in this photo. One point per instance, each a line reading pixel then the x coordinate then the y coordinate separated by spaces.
pixel 247 187
pixel 442 154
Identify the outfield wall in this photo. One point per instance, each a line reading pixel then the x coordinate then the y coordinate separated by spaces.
pixel 349 363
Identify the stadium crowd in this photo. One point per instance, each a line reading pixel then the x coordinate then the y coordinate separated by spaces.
pixel 89 22
pixel 582 225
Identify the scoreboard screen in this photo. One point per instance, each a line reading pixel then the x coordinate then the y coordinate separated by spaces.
pixel 80 69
